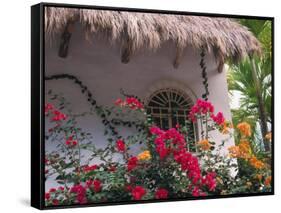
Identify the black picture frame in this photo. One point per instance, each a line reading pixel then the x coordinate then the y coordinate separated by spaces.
pixel 37 102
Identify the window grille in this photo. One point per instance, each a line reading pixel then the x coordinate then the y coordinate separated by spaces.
pixel 169 107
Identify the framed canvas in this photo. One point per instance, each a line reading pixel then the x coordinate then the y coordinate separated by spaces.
pixel 133 106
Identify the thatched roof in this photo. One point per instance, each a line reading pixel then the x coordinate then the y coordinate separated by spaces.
pixel 226 38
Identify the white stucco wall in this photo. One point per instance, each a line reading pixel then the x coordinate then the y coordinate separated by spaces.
pixel 98 65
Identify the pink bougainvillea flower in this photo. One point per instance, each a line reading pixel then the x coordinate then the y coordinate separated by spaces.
pixel 55 202
pixel 48 107
pixel 134 103
pixel 131 102
pixel 97 185
pixel 80 192
pixel 154 130
pixel 132 163
pixel 167 141
pixel 119 102
pixel 196 192
pixel 189 163
pixel 58 116
pixel 172 142
pixel 71 142
pixel 61 188
pixel 90 168
pixel 210 181
pixel 68 142
pixel 162 151
pixel 47 196
pixel 89 183
pixel 200 107
pixel 219 118
pixel 138 192
pixel 77 188
pixel 46 161
pixel 120 145
pixel 161 194
pixel 112 169
pixel 52 190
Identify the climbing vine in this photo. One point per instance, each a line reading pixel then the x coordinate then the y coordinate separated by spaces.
pixel 204 75
pixel 109 123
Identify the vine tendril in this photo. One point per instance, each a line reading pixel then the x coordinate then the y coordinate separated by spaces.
pixel 204 75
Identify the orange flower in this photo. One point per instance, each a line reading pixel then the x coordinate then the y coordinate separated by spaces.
pixel 144 155
pixel 204 144
pixel 225 127
pixel 245 149
pixel 258 164
pixel 225 131
pixel 242 150
pixel 268 136
pixel 234 151
pixel 245 129
pixel 267 181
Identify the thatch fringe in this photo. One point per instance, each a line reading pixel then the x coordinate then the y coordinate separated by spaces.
pixel 226 38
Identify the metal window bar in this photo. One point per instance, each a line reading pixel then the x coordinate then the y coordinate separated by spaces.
pixel 162 103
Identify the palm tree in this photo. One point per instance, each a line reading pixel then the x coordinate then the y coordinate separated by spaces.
pixel 252 79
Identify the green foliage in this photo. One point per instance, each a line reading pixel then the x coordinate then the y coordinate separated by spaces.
pixel 120 175
pixel 240 79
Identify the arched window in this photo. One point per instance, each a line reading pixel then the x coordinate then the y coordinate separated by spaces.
pixel 169 107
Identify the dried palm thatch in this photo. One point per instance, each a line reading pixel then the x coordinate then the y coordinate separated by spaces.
pixel 226 38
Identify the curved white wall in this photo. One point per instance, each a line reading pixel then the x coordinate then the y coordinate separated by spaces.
pixel 98 65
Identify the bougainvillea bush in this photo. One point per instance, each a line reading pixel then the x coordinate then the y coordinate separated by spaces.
pixel 164 168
